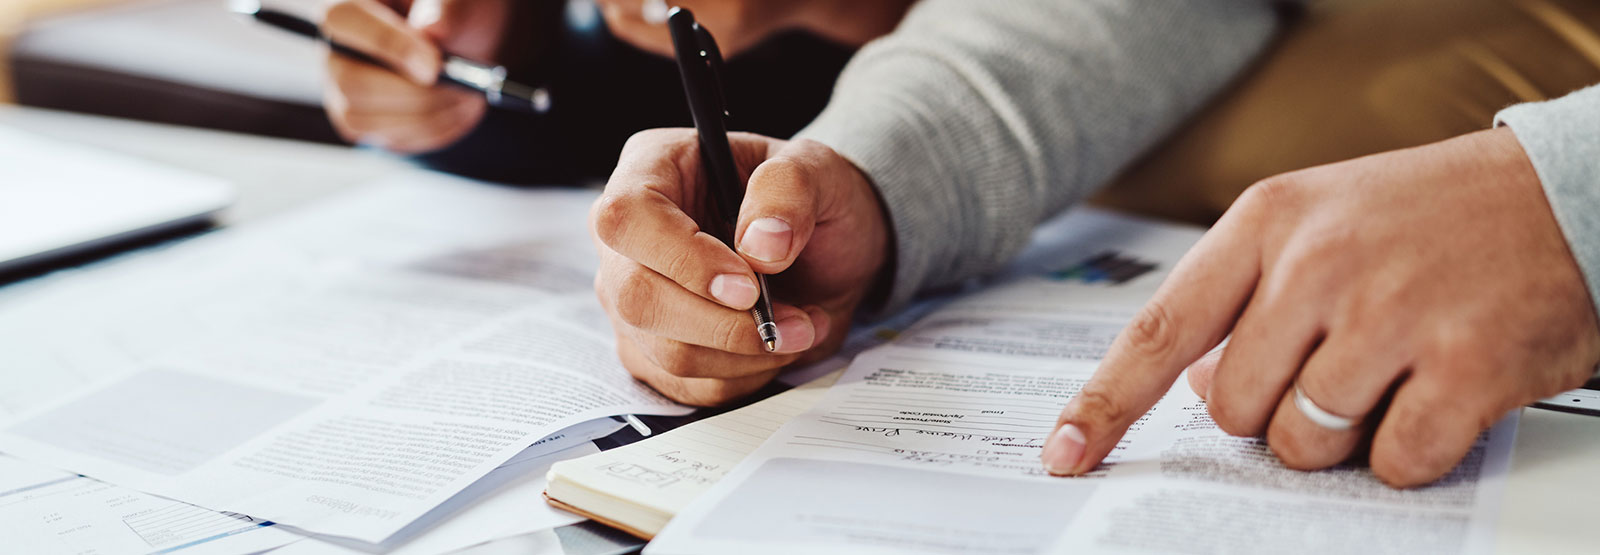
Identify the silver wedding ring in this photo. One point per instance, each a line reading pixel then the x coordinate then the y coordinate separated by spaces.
pixel 1319 416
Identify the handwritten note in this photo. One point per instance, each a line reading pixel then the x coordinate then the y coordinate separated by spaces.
pixel 665 473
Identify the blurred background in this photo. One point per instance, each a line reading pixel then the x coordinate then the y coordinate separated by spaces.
pixel 1344 79
pixel 188 62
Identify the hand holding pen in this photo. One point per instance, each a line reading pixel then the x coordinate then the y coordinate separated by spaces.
pixel 679 297
pixel 700 67
pixel 410 82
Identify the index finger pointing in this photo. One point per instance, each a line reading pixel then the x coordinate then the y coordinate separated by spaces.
pixel 1191 313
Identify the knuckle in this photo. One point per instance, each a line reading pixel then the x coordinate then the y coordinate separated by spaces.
pixel 1415 452
pixel 810 145
pixel 1096 406
pixel 1295 451
pixel 1265 200
pixel 679 360
pixel 637 365
pixel 609 217
pixel 1152 332
pixel 635 299
pixel 1229 418
pixel 600 291
pixel 729 335
pixel 1403 468
pixel 651 137
pixel 1372 315
pixel 785 168
pixel 680 265
pixel 1273 194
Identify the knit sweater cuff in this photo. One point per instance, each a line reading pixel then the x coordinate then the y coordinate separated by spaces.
pixel 897 136
pixel 1562 138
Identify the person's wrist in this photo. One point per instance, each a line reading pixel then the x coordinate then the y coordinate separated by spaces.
pixel 877 293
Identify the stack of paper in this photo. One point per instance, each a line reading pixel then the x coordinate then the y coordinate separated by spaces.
pixel 49 511
pixel 355 370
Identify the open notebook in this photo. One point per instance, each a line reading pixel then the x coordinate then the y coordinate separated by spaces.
pixel 638 487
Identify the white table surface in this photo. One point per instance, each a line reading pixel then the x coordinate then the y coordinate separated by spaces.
pixel 1552 500
pixel 271 175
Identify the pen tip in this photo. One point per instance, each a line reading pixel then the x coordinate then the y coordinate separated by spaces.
pixel 772 345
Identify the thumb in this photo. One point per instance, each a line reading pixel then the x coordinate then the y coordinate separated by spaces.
pixel 780 206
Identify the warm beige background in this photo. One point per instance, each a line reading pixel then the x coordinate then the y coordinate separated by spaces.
pixel 13 13
pixel 1357 77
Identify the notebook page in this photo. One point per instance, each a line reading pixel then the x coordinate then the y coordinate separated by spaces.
pixel 668 471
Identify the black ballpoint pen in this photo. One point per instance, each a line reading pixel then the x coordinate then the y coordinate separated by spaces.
pixel 699 64
pixel 485 78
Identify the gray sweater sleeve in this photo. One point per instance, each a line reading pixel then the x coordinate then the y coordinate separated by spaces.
pixel 978 119
pixel 1562 138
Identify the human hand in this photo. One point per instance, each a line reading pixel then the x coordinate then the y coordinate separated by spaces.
pixel 741 24
pixel 679 298
pixel 404 111
pixel 1436 274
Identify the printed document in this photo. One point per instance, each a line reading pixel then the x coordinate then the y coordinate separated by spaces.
pixel 931 445
pixel 507 502
pixel 48 511
pixel 343 370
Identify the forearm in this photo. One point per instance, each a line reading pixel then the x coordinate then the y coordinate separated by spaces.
pixel 977 120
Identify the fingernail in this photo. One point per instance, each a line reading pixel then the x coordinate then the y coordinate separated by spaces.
pixel 734 290
pixel 767 239
pixel 1063 450
pixel 794 335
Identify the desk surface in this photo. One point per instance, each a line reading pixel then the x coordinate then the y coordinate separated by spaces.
pixel 1552 499
pixel 272 175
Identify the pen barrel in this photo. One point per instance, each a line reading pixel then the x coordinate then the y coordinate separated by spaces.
pixel 689 45
pixel 287 22
pixel 489 79
pixel 762 311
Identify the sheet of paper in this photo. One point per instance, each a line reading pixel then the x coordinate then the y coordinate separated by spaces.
pixel 48 511
pixel 931 445
pixel 319 300
pixel 344 369
pixel 507 502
